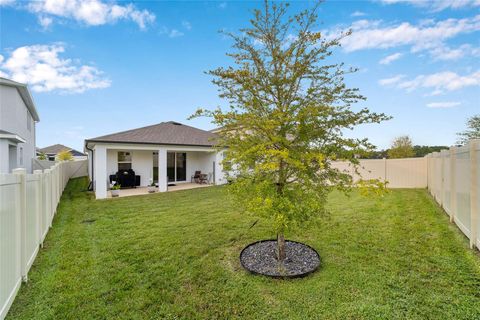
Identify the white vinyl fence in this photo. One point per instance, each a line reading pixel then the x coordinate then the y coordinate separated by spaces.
pixel 456 169
pixel 399 173
pixel 454 182
pixel 28 203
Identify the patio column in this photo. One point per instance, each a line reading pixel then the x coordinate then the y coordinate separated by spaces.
pixel 162 170
pixel 100 172
pixel 219 174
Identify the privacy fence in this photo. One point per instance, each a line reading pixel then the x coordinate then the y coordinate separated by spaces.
pixel 28 203
pixel 454 182
pixel 451 176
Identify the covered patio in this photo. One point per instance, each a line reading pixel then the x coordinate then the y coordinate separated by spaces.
pixel 144 190
pixel 170 155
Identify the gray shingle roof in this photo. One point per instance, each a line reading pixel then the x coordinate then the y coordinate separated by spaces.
pixel 170 133
pixel 56 148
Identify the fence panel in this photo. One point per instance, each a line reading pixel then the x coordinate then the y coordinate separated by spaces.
pixel 27 206
pixel 32 220
pixel 462 189
pixel 406 173
pixel 10 242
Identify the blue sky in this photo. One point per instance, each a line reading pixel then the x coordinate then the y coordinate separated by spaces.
pixel 97 67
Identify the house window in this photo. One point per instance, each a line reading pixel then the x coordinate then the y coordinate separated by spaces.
pixel 21 156
pixel 124 160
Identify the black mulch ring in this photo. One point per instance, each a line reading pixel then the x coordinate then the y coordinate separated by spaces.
pixel 261 258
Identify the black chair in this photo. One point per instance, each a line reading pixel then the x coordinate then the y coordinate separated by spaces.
pixel 126 178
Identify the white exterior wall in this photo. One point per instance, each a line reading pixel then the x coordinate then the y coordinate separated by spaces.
pixel 198 158
pixel 142 164
pixel 14 116
pixel 4 156
pixel 200 161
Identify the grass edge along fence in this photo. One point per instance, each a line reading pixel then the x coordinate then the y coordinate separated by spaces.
pixel 28 203
pixel 454 182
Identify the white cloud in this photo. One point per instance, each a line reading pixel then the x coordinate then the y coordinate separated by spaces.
pixel 171 33
pixel 446 53
pixel 437 5
pixel 41 67
pixel 392 80
pixel 6 2
pixel 439 82
pixel 45 22
pixel 91 12
pixel 445 104
pixel 187 25
pixel 222 5
pixel 372 35
pixel 389 59
pixel 358 14
pixel 427 35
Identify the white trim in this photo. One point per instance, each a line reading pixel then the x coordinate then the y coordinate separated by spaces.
pixel 14 137
pixel 152 147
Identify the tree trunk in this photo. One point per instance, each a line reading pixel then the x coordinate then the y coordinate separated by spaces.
pixel 281 247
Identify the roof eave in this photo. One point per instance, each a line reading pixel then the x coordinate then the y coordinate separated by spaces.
pixel 149 143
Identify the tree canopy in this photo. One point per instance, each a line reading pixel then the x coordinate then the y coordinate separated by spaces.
pixel 402 147
pixel 289 108
pixel 472 131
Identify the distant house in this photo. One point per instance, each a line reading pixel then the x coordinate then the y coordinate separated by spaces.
pixel 166 153
pixel 52 151
pixel 18 116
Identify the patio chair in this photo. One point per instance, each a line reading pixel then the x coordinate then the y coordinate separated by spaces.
pixel 196 177
pixel 203 178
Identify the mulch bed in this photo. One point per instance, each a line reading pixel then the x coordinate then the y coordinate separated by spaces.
pixel 261 258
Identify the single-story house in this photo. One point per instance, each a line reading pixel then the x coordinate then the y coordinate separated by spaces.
pixel 52 151
pixel 165 153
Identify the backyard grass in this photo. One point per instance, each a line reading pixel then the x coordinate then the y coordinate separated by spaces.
pixel 175 256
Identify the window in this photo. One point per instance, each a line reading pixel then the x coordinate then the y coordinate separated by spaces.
pixel 124 160
pixel 21 156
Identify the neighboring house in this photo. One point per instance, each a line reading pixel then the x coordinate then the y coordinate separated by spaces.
pixel 52 151
pixel 168 152
pixel 18 116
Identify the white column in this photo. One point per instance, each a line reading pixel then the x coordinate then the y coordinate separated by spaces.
pixel 219 174
pixel 162 170
pixel 100 172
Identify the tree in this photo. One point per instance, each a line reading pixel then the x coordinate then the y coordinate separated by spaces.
pixel 472 132
pixel 422 151
pixel 402 147
pixel 288 109
pixel 64 155
pixel 42 156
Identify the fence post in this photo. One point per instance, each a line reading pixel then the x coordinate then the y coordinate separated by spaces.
pixel 22 174
pixel 453 193
pixel 474 189
pixel 442 179
pixel 39 204
pixel 385 169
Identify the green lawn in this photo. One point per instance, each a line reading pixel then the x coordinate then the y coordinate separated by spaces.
pixel 175 256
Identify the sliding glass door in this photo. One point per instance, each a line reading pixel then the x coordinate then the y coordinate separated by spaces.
pixel 176 166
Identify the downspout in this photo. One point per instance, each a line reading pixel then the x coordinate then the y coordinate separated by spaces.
pixel 90 185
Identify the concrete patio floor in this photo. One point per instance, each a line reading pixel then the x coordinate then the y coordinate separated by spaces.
pixel 144 190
